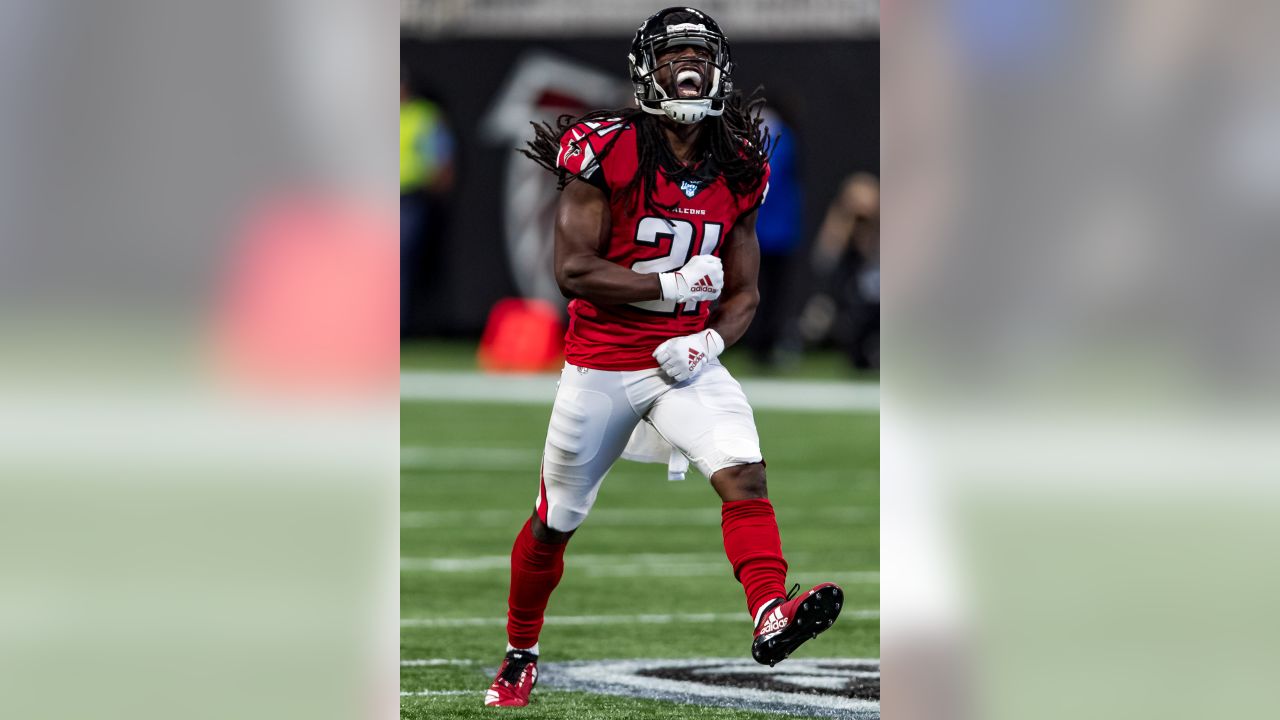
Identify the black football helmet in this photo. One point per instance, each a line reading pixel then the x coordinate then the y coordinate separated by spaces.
pixel 701 96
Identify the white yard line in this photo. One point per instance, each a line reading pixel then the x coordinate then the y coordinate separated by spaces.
pixel 450 565
pixel 629 565
pixel 840 577
pixel 465 518
pixel 623 565
pixel 619 517
pixel 656 516
pixel 707 569
pixel 613 517
pixel 584 560
pixel 540 389
pixel 428 385
pixel 435 662
pixel 663 619
pixel 470 458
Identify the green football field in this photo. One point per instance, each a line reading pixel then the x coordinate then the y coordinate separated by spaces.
pixel 651 548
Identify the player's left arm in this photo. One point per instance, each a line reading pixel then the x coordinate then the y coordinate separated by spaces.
pixel 741 294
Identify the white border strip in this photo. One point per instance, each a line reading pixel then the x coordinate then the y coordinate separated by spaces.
pixel 540 389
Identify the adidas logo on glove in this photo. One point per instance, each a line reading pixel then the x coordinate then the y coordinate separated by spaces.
pixel 681 358
pixel 703 285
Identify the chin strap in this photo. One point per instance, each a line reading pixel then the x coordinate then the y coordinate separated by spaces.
pixel 685 112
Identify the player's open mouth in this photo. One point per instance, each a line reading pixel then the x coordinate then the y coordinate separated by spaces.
pixel 688 83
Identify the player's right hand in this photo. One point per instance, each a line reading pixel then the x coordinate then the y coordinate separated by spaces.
pixel 701 279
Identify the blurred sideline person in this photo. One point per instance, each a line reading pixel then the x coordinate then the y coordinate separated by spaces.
pixel 846 262
pixel 778 229
pixel 426 176
pixel 655 221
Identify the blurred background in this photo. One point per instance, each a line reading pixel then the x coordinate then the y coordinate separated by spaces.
pixel 198 431
pixel 1079 430
pixel 476 217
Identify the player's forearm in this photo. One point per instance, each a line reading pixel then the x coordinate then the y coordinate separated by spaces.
pixel 606 283
pixel 734 315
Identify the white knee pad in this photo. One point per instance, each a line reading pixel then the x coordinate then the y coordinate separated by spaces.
pixel 589 428
pixel 567 495
pixel 563 519
pixel 578 422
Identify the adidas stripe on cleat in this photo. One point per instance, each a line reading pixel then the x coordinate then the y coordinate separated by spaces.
pixel 515 680
pixel 789 622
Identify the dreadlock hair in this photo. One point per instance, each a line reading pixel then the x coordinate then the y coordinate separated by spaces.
pixel 735 140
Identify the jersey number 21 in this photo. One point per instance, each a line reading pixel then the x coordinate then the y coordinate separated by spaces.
pixel 650 232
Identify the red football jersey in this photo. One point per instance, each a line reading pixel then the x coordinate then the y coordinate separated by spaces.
pixel 623 337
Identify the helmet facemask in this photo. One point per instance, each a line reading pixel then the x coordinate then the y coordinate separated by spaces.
pixel 713 83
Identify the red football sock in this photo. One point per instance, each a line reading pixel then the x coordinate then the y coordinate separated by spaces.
pixel 755 550
pixel 536 568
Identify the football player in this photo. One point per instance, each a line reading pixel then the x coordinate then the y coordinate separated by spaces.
pixel 656 220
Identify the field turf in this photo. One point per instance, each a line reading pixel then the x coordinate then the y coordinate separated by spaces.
pixel 651 547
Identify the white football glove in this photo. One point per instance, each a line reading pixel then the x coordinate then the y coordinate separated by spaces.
pixel 700 279
pixel 683 357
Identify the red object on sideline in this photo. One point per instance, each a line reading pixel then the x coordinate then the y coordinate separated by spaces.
pixel 522 335
pixel 307 304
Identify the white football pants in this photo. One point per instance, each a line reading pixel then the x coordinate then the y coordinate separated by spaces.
pixel 707 418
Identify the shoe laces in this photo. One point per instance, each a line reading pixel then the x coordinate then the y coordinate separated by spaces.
pixel 516 662
pixel 794 591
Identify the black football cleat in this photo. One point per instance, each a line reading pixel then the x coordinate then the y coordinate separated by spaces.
pixel 789 622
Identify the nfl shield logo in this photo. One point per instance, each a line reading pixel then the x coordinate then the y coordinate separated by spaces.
pixel 690 187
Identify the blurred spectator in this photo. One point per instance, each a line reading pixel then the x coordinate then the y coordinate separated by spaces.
pixel 426 178
pixel 846 260
pixel 778 226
